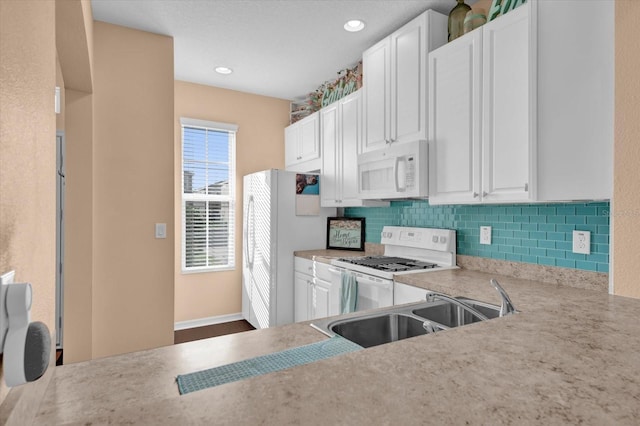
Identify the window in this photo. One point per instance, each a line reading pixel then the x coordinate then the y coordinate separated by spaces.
pixel 208 195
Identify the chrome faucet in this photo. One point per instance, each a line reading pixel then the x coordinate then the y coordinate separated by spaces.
pixel 506 307
pixel 431 297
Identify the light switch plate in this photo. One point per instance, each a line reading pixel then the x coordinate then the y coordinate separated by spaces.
pixel 161 230
pixel 582 242
pixel 485 235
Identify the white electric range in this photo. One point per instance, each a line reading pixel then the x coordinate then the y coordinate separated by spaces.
pixel 407 250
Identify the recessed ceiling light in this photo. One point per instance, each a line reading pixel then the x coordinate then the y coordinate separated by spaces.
pixel 354 25
pixel 223 70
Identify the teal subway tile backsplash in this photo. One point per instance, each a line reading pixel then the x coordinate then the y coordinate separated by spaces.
pixel 540 234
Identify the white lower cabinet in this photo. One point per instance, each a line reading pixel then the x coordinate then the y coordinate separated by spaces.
pixel 302 292
pixel 404 293
pixel 314 294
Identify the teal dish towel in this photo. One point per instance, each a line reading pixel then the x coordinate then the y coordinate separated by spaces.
pixel 348 292
pixel 264 364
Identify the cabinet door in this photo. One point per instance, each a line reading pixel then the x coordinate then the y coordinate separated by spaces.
pixel 507 117
pixel 330 181
pixel 408 81
pixel 454 121
pixel 321 299
pixel 376 82
pixel 351 137
pixel 291 141
pixel 309 141
pixel 302 296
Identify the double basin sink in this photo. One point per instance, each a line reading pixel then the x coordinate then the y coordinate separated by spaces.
pixel 401 322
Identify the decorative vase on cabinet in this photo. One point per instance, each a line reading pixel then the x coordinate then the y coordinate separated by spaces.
pixel 456 19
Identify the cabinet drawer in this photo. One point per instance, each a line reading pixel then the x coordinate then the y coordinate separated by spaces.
pixel 303 265
pixel 322 271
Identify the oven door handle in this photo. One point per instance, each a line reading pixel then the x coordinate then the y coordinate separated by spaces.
pixel 377 282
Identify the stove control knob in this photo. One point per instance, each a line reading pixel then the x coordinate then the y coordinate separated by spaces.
pixel 434 238
pixel 443 240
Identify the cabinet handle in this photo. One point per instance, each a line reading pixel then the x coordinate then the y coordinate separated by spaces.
pixel 526 187
pixel 475 195
pixel 485 193
pixel 392 140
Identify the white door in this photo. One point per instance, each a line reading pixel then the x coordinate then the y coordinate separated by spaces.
pixel 309 140
pixel 376 82
pixel 321 299
pixel 257 232
pixel 302 296
pixel 248 216
pixel 507 117
pixel 330 181
pixel 60 191
pixel 351 137
pixel 291 139
pixel 454 121
pixel 408 82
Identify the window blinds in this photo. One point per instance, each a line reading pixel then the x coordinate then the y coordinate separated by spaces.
pixel 208 195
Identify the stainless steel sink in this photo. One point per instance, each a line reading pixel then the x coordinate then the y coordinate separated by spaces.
pixel 401 322
pixel 451 315
pixel 377 330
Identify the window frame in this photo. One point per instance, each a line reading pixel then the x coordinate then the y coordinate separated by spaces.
pixel 231 198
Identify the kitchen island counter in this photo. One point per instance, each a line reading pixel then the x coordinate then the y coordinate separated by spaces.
pixel 569 356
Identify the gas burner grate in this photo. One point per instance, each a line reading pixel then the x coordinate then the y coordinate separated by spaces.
pixel 390 264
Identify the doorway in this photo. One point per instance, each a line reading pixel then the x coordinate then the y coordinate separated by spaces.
pixel 60 189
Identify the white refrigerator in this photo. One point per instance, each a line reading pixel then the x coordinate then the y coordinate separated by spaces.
pixel 281 214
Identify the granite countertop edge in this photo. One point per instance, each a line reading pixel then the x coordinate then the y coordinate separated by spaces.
pixel 569 356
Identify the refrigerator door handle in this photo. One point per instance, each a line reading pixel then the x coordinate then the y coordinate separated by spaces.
pixel 249 254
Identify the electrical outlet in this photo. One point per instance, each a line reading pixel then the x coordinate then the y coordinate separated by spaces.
pixel 582 242
pixel 485 235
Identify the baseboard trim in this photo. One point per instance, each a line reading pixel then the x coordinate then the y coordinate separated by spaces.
pixel 202 322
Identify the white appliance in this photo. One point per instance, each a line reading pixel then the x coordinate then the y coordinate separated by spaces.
pixel 406 251
pixel 271 232
pixel 396 171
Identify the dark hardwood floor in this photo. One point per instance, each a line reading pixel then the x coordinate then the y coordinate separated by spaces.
pixel 191 334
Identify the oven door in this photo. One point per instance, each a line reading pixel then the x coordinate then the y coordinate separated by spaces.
pixel 373 292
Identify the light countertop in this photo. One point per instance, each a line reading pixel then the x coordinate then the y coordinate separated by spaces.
pixel 569 356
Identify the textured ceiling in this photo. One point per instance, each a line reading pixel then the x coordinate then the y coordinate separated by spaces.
pixel 279 48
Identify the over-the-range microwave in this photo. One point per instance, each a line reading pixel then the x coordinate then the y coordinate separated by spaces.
pixel 395 171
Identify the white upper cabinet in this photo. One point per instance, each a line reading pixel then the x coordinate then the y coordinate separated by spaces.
pixel 302 145
pixel 341 137
pixel 507 108
pixel 521 109
pixel 395 80
pixel 454 120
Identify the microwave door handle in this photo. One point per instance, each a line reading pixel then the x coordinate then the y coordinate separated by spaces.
pixel 400 171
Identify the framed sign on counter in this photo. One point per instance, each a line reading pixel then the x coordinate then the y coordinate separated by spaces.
pixel 345 233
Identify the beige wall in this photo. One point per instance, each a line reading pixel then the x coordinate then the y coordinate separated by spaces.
pixel 260 145
pixel 626 180
pixel 78 244
pixel 27 153
pixel 132 190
